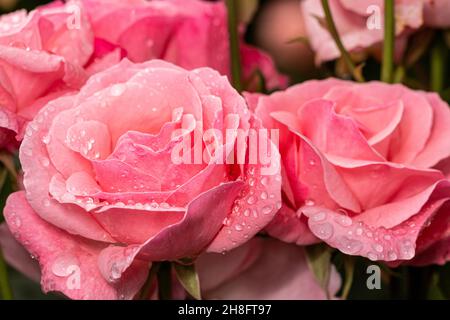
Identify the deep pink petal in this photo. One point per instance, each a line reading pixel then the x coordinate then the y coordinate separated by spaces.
pixel 68 264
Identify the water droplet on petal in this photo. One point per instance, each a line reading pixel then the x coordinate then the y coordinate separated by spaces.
pixel 378 247
pixel 372 256
pixel 251 200
pixel 309 202
pixel 323 231
pixel 63 265
pixel 264 181
pixel 117 89
pixel 45 162
pixel 344 221
pixel 319 216
pixel 350 246
pixel 267 209
pixel 238 227
pixel 46 139
pixel 392 256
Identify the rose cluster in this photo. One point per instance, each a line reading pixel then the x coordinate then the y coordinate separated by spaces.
pixel 136 150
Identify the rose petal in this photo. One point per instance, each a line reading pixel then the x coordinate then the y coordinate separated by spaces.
pixel 279 271
pixel 68 264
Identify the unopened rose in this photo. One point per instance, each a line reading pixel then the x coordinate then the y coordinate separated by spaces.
pixel 364 168
pixel 105 193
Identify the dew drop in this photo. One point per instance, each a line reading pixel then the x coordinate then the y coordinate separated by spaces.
pixel 319 216
pixel 350 246
pixel 344 221
pixel 264 181
pixel 264 195
pixel 45 162
pixel 238 227
pixel 117 89
pixel 309 202
pixel 46 139
pixel 62 266
pixel 251 200
pixel 392 256
pixel 267 209
pixel 378 248
pixel 323 231
pixel 247 212
pixel 372 256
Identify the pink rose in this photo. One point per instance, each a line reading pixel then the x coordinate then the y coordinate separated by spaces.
pixel 360 23
pixel 189 33
pixel 263 269
pixel 105 193
pixel 361 168
pixel 41 57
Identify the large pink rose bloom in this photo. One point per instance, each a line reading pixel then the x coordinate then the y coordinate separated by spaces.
pixel 361 168
pixel 104 193
pixel 189 33
pixel 41 57
pixel 360 23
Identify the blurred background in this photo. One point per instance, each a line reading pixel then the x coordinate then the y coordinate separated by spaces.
pixel 277 27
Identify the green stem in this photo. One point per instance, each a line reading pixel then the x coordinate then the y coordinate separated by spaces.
pixel 387 69
pixel 334 33
pixel 438 53
pixel 236 73
pixel 165 281
pixel 5 288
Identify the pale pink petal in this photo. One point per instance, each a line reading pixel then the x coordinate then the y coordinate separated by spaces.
pixel 290 227
pixel 353 236
pixel 278 272
pixel 38 166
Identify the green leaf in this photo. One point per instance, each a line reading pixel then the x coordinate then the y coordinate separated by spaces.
pixel 188 278
pixel 319 262
pixel 349 267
